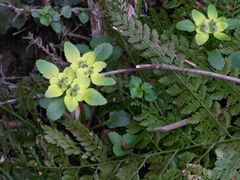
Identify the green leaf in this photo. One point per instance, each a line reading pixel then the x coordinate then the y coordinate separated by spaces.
pixel 116 54
pixel 235 59
pixel 57 27
pixel 233 23
pixel 83 48
pixel 198 17
pixel 201 38
pixel 130 139
pixel 71 52
pixel 146 87
pixel 136 92
pixel 99 40
pixel 66 11
pixel 83 17
pixel 186 25
pixel 118 119
pixel 55 15
pixel 150 96
pixel 44 102
pixel 135 81
pixel 119 151
pixel 46 20
pixel 212 12
pixel 101 80
pixel 47 69
pixel 216 60
pixel 35 14
pixel 93 97
pixel 46 9
pixel 56 109
pixel 103 51
pixel 115 138
pixel 221 36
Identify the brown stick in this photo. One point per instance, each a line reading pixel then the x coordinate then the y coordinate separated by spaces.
pixel 172 126
pixel 167 67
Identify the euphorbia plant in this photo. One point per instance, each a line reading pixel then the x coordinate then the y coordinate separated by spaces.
pixel 75 80
pixel 205 26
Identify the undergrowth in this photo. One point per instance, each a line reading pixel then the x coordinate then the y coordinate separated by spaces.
pixel 119 140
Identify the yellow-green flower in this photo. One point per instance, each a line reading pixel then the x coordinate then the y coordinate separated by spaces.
pixel 86 65
pixel 205 26
pixel 211 25
pixel 76 93
pixel 60 82
pixel 90 68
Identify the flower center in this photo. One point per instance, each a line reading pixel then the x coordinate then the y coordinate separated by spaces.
pixel 204 27
pixel 212 25
pixel 82 64
pixel 74 90
pixel 89 71
pixel 62 82
pixel 208 26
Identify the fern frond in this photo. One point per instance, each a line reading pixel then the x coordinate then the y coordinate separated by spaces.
pixel 236 11
pixel 143 38
pixel 53 136
pixel 88 140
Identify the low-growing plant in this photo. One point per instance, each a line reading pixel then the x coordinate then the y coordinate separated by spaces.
pixel 74 82
pixel 205 26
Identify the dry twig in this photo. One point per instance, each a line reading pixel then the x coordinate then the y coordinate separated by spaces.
pixel 172 126
pixel 167 67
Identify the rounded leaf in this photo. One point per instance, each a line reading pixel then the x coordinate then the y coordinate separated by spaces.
pixel 136 92
pixel 47 69
pixel 71 103
pixel 89 57
pixel 83 17
pixel 221 36
pixel 198 17
pixel 135 81
pixel 53 91
pixel 151 96
pixel 186 25
pixel 57 27
pixel 115 138
pixel 71 52
pixel 99 66
pixel 66 11
pixel 235 59
pixel 201 38
pixel 101 80
pixel 93 97
pixel 103 51
pixel 119 151
pixel 56 109
pixel 118 119
pixel 212 12
pixel 216 60
pixel 233 23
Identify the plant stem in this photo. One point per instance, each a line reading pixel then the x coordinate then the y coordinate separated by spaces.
pixel 172 126
pixel 82 113
pixel 143 67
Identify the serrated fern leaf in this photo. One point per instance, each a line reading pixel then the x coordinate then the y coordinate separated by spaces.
pixel 88 140
pixel 53 136
pixel 143 38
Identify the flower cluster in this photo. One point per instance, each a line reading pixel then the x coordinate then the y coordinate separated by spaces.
pixel 74 82
pixel 205 26
pixel 211 25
